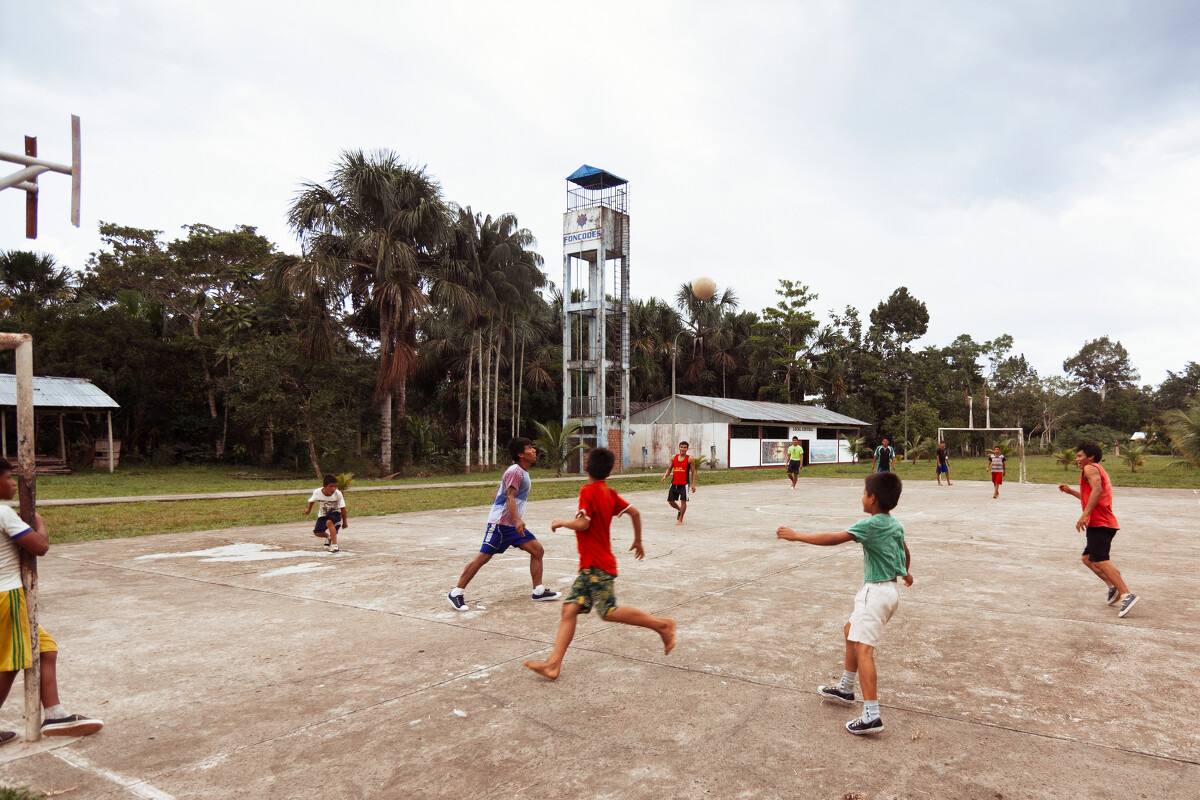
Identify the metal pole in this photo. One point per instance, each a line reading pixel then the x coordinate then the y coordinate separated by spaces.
pixel 111 455
pixel 28 494
pixel 31 197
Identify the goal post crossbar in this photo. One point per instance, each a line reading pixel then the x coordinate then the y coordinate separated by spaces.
pixel 1021 473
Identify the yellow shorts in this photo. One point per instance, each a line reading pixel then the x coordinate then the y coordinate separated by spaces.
pixel 14 633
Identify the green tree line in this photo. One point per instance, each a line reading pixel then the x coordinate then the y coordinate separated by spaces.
pixel 410 331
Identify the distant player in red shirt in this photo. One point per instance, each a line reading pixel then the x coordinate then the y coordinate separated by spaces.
pixel 682 476
pixel 598 504
pixel 1099 524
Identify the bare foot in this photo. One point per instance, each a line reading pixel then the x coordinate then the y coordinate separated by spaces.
pixel 668 637
pixel 678 521
pixel 550 671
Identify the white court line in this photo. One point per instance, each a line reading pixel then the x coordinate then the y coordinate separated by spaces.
pixel 139 788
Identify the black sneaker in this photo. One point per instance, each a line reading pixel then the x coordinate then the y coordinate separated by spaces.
pixel 545 595
pixel 834 693
pixel 7 736
pixel 458 601
pixel 1113 595
pixel 72 725
pixel 1127 604
pixel 860 727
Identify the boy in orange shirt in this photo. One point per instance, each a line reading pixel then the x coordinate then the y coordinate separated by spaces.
pixel 598 504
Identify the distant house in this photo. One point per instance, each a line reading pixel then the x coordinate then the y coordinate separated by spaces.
pixel 55 399
pixel 740 433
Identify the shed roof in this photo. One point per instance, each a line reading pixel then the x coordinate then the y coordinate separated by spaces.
pixel 763 411
pixel 590 177
pixel 57 393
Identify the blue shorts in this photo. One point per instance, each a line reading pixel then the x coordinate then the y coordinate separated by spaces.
pixel 333 516
pixel 943 468
pixel 498 538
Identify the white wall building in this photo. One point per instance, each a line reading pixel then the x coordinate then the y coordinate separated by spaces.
pixel 739 433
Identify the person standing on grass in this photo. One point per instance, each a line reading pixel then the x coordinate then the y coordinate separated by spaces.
pixel 683 475
pixel 885 557
pixel 598 504
pixel 998 465
pixel 332 515
pixel 1099 524
pixel 943 464
pixel 15 636
pixel 506 527
pixel 795 460
pixel 884 456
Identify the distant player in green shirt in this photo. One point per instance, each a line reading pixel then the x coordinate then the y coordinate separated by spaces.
pixel 885 557
pixel 795 460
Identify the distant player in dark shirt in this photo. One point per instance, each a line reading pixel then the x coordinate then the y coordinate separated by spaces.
pixel 943 464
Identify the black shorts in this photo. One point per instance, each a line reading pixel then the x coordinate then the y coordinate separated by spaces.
pixel 333 516
pixel 794 467
pixel 678 493
pixel 1099 542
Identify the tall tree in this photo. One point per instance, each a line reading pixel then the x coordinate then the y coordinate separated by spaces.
pixel 1102 365
pixel 372 235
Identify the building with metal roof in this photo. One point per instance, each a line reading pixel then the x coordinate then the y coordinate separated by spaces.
pixel 57 397
pixel 741 433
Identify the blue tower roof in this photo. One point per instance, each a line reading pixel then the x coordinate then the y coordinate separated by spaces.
pixel 590 177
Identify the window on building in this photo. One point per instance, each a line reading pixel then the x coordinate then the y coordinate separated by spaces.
pixel 776 432
pixel 743 431
pixel 830 433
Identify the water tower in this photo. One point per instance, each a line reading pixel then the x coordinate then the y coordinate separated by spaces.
pixel 596 309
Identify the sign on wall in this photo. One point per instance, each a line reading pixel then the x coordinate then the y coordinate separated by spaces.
pixel 581 225
pixel 774 451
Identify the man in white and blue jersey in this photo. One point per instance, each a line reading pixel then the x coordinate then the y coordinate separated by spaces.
pixel 506 527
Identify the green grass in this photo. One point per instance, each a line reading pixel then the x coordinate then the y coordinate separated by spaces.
pixel 14 793
pixel 83 523
pixel 1158 472
pixel 87 523
pixel 129 481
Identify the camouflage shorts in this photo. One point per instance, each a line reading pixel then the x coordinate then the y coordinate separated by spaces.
pixel 593 587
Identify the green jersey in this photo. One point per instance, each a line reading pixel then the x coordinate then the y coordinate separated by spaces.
pixel 795 453
pixel 882 540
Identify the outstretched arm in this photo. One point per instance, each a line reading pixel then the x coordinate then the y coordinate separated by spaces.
pixel 581 523
pixel 823 539
pixel 636 519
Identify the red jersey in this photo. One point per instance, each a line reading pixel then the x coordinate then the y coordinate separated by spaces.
pixel 599 503
pixel 679 470
pixel 1102 515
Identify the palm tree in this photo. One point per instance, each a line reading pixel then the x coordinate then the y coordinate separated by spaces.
pixel 557 442
pixel 1134 456
pixel 372 237
pixel 1066 457
pixel 1183 428
pixel 29 281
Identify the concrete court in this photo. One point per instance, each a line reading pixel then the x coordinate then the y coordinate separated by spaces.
pixel 1003 675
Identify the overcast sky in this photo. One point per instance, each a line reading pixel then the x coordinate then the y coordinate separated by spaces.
pixel 1024 168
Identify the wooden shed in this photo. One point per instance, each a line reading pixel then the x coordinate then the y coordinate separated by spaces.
pixel 56 398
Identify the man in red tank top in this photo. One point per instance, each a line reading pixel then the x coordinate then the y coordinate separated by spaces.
pixel 1099 524
pixel 682 475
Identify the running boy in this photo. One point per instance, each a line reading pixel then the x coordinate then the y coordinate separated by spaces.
pixel 884 456
pixel 506 526
pixel 795 460
pixel 885 556
pixel 998 467
pixel 682 476
pixel 598 504
pixel 332 515
pixel 14 620
pixel 943 464
pixel 1099 524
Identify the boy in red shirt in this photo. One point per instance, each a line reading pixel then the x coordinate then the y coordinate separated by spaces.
pixel 682 475
pixel 598 504
pixel 1099 524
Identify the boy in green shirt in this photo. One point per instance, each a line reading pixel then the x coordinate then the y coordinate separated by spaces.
pixel 885 557
pixel 795 460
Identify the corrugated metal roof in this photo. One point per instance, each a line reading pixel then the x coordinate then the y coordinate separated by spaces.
pixel 762 411
pixel 57 393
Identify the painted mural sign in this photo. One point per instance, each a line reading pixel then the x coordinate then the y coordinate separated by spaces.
pixel 581 225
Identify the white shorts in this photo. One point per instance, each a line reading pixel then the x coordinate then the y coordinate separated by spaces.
pixel 873 607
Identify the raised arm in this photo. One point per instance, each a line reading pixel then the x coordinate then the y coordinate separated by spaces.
pixel 823 539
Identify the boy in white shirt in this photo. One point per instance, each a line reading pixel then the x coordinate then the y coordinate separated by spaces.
pixel 15 638
pixel 332 515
